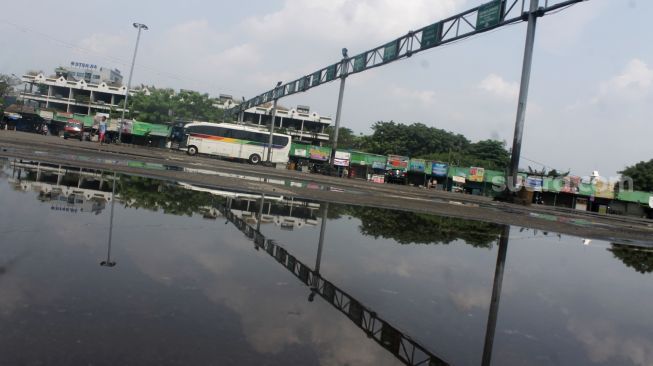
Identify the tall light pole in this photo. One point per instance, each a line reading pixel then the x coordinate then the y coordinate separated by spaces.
pixel 341 93
pixel 140 27
pixel 275 97
pixel 513 168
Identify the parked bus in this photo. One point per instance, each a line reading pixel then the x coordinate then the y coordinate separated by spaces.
pixel 234 141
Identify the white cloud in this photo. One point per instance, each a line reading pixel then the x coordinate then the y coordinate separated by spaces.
pixel 410 97
pixel 347 20
pixel 104 44
pixel 604 343
pixel 633 83
pixel 497 86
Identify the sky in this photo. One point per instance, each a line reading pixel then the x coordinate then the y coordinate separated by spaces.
pixel 590 99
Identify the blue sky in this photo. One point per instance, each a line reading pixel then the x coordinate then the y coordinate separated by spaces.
pixel 591 96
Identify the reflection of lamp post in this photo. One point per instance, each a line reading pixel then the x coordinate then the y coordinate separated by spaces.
pixel 109 262
pixel 318 259
pixel 496 295
pixel 260 213
pixel 140 27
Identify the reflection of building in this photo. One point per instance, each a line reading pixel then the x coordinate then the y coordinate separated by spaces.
pixel 67 189
pixel 287 213
pixel 300 123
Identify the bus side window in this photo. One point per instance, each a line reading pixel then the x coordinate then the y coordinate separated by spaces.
pixel 280 140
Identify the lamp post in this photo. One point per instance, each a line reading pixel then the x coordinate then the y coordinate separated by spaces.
pixel 140 27
pixel 341 93
pixel 275 97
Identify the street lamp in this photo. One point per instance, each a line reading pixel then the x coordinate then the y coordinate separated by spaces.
pixel 275 97
pixel 140 27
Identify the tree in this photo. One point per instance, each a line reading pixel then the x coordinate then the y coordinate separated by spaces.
pixel 347 139
pixel 7 82
pixel 191 105
pixel 164 105
pixel 641 174
pixel 639 259
pixel 154 108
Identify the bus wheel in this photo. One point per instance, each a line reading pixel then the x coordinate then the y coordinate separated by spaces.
pixel 192 150
pixel 254 159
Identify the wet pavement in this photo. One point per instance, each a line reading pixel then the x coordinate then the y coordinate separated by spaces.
pixel 189 274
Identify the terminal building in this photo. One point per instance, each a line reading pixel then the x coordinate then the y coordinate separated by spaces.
pixel 299 122
pixel 87 90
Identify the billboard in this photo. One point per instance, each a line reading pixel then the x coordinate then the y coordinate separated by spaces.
pixel 439 169
pixel 476 174
pixel 417 165
pixel 319 153
pixel 397 162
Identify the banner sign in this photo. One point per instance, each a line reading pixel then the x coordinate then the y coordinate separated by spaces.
pixel 319 153
pixel 439 169
pixel 476 174
pixel 417 165
pixel 534 183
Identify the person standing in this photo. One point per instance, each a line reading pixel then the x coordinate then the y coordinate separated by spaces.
pixel 102 129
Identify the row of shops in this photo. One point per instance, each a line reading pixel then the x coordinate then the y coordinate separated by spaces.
pixel 133 131
pixel 584 194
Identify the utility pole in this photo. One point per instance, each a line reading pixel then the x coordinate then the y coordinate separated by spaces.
pixel 140 27
pixel 533 14
pixel 275 98
pixel 341 93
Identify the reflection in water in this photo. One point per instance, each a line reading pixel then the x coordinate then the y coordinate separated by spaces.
pixel 496 295
pixel 639 259
pixel 400 345
pixel 249 212
pixel 108 262
pixel 389 337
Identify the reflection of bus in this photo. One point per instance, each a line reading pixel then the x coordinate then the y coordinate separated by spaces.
pixel 234 141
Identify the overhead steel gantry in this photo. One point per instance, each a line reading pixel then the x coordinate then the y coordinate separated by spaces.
pixel 486 17
pixel 407 350
pixel 483 18
pixel 402 346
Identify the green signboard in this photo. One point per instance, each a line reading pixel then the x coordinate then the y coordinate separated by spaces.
pixel 330 73
pixel 489 14
pixel 390 51
pixel 302 83
pixel 359 62
pixel 431 35
pixel 292 87
pixel 316 78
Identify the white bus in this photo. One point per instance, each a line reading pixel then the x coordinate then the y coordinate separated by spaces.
pixel 234 141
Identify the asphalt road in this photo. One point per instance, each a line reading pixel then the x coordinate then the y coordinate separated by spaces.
pixel 176 165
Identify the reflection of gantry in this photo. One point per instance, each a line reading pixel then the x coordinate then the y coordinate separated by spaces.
pixel 400 345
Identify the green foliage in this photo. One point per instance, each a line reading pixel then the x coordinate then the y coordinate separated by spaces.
pixel 642 175
pixel 420 141
pixel 7 82
pixel 155 195
pixel 347 139
pixel 639 259
pixel 153 108
pixel 409 227
pixel 164 105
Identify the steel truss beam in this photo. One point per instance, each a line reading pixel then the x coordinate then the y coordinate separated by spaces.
pixel 407 350
pixel 449 30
